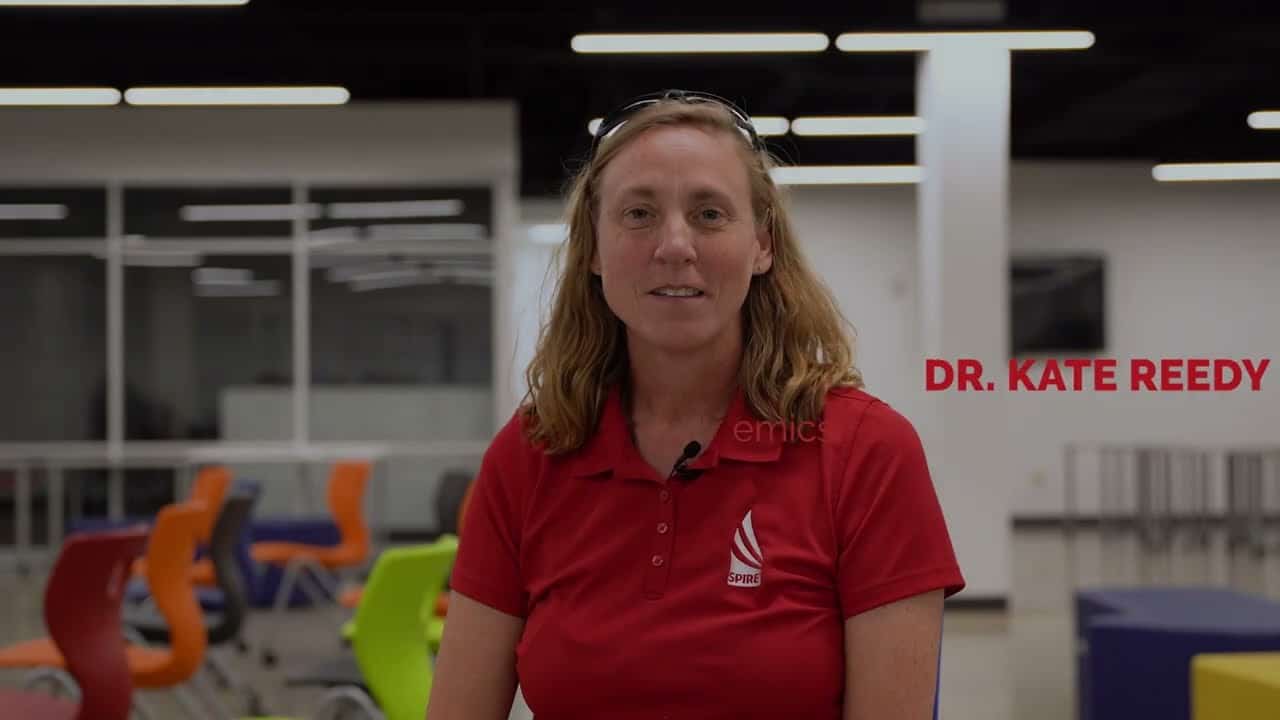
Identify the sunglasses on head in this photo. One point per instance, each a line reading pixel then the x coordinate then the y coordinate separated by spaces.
pixel 619 117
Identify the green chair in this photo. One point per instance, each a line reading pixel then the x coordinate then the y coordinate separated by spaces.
pixel 389 640
pixel 432 622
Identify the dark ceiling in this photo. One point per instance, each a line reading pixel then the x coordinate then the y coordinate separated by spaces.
pixel 1166 81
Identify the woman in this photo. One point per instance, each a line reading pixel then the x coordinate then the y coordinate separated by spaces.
pixel 697 512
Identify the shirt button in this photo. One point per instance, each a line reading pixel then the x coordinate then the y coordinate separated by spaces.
pixel 665 495
pixel 663 528
pixel 657 561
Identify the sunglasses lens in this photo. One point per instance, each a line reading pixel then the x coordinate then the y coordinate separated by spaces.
pixel 618 118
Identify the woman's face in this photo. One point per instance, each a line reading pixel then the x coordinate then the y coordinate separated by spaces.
pixel 677 239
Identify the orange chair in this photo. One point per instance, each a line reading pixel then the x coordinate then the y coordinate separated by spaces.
pixel 315 569
pixel 350 598
pixel 210 487
pixel 169 554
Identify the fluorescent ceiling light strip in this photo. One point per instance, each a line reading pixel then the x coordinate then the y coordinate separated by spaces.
pixel 917 42
pixel 850 125
pixel 41 97
pixel 221 276
pixel 700 43
pixel 848 175
pixel 469 273
pixel 426 231
pixel 767 125
pixel 380 281
pixel 344 235
pixel 394 209
pixel 473 261
pixel 319 95
pixel 481 282
pixel 162 258
pixel 341 231
pixel 1213 172
pixel 345 273
pixel 246 213
pixel 122 3
pixel 33 211
pixel 1265 120
pixel 392 282
pixel 401 272
pixel 258 288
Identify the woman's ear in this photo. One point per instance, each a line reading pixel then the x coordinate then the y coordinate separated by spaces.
pixel 764 253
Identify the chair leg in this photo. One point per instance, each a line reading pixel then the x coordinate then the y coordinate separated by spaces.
pixel 318 591
pixel 336 698
pixel 295 576
pixel 141 708
pixel 189 705
pixel 132 635
pixel 208 694
pixel 68 683
pixel 57 680
pixel 231 680
pixel 219 671
pixel 278 605
pixel 327 580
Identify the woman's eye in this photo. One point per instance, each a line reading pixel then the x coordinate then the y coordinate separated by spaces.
pixel 710 215
pixel 636 214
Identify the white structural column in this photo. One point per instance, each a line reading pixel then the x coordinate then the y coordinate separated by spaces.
pixel 506 303
pixel 963 99
pixel 115 349
pixel 301 261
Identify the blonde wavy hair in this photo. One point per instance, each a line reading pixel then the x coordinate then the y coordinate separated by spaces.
pixel 795 345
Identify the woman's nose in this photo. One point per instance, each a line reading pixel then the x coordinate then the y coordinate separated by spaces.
pixel 675 242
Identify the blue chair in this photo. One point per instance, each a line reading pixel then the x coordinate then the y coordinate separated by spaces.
pixel 212 599
pixel 1136 645
pixel 261 583
pixel 319 530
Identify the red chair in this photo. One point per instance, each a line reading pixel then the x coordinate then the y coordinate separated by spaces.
pixel 170 549
pixel 82 613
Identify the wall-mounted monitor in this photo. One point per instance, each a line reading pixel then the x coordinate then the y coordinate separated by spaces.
pixel 1057 304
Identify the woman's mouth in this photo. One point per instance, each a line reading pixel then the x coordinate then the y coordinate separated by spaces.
pixel 677 292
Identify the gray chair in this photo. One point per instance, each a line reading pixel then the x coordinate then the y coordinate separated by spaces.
pixel 224 628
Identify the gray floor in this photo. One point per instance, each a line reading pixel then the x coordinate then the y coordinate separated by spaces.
pixel 996 665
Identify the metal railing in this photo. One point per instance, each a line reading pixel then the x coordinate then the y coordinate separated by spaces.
pixel 51 462
pixel 1165 493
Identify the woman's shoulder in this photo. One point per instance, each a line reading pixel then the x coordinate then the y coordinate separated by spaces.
pixel 512 440
pixel 853 415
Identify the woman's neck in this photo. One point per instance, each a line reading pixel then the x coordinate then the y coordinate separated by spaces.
pixel 669 389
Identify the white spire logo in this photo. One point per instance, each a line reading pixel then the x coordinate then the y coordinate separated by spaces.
pixel 745 557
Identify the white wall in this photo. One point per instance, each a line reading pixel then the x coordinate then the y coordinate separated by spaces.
pixel 1193 271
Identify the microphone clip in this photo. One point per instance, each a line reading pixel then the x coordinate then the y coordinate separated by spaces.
pixel 680 471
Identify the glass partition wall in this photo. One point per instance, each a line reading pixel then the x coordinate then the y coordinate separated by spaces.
pixel 156 315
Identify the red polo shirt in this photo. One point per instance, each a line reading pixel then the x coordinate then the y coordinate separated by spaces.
pixel 719 597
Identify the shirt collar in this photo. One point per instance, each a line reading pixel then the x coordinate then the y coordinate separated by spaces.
pixel 741 436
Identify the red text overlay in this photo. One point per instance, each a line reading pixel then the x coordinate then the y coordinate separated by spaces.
pixel 784 431
pixel 1101 375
